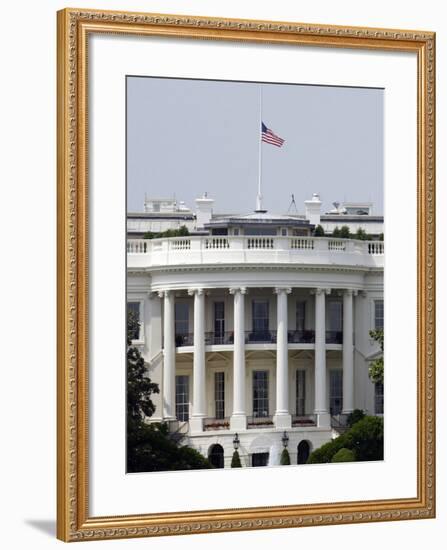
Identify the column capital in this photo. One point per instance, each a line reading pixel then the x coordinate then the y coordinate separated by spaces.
pixel 363 293
pixel 319 291
pixel 347 292
pixel 198 291
pixel 280 289
pixel 234 290
pixel 163 293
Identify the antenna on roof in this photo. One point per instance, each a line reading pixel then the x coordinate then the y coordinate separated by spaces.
pixel 292 203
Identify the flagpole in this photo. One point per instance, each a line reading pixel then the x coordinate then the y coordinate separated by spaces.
pixel 259 197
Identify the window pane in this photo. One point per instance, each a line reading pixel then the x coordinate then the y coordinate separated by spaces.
pixel 300 315
pixel 378 314
pixel 181 318
pixel 134 309
pixel 336 391
pixel 182 397
pixel 378 398
pixel 260 393
pixel 260 312
pixel 300 392
pixel 335 316
pixel 219 394
pixel 219 320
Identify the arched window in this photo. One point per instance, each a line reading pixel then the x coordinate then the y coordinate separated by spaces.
pixel 216 455
pixel 303 452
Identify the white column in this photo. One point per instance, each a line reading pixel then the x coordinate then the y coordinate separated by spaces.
pixel 238 419
pixel 199 382
pixel 168 355
pixel 321 412
pixel 348 353
pixel 282 417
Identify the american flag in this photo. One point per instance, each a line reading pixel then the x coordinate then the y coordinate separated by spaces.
pixel 269 137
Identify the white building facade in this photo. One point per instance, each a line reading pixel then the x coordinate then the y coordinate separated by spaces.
pixel 257 333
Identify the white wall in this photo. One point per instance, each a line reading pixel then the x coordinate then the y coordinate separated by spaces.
pixel 28 386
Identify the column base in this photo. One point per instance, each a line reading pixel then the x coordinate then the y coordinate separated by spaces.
pixel 323 419
pixel 238 422
pixel 196 424
pixel 282 421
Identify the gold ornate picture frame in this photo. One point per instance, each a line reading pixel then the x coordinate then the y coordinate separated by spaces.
pixel 75 27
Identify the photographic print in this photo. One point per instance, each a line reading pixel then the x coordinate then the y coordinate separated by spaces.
pixel 227 191
pixel 255 274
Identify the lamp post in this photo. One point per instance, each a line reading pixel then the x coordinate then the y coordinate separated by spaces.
pixel 236 442
pixel 285 439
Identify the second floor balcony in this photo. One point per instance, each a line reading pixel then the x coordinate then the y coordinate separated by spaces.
pixel 258 337
pixel 235 250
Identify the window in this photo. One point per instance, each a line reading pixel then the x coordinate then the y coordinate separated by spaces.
pixel 378 314
pixel 236 231
pixel 181 319
pixel 264 231
pixel 182 397
pixel 300 392
pixel 219 394
pixel 335 316
pixel 260 393
pixel 219 322
pixel 133 308
pixel 300 316
pixel 335 391
pixel 260 314
pixel 378 398
pixel 283 232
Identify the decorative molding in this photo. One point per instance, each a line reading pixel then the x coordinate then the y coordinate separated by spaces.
pixel 279 290
pixel 74 522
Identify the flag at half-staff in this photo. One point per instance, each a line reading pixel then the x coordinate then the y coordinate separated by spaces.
pixel 268 136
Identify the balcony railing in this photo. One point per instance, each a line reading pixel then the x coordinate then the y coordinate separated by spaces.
pixel 334 337
pixel 259 421
pixel 211 423
pixel 241 250
pixel 258 337
pixel 219 338
pixel 307 420
pixel 301 336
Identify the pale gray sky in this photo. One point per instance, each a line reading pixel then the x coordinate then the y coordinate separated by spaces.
pixel 185 137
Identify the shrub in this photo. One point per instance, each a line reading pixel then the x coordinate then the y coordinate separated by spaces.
pixel 345 232
pixel 326 452
pixel 285 458
pixel 355 416
pixel 319 231
pixel 336 232
pixel 364 438
pixel 236 460
pixel 361 235
pixel 344 455
pixel 182 231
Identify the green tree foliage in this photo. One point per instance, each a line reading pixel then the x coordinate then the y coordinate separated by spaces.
pixel 285 458
pixel 344 455
pixel 149 446
pixel 361 235
pixel 365 439
pixel 180 232
pixel 319 231
pixel 139 387
pixel 376 370
pixel 381 237
pixel 345 232
pixel 336 232
pixel 354 417
pixel 236 460
pixel 149 449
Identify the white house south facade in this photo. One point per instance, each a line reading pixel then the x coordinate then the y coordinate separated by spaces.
pixel 257 331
